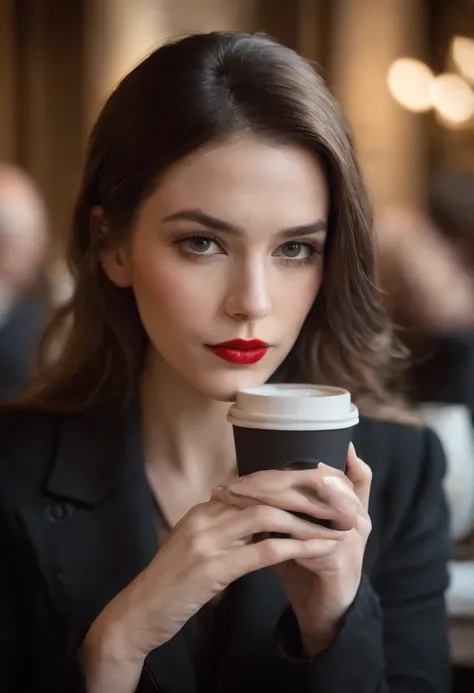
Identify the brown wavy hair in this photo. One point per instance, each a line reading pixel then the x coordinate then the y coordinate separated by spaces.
pixel 185 95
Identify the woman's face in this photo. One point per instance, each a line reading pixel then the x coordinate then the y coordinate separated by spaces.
pixel 228 247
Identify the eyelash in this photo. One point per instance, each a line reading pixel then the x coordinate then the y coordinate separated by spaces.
pixel 314 248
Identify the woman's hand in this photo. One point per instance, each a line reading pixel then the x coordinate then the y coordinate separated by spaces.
pixel 206 551
pixel 322 587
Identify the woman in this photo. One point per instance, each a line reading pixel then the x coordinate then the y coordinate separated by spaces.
pixel 221 200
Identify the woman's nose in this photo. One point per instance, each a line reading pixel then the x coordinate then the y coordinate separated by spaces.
pixel 248 297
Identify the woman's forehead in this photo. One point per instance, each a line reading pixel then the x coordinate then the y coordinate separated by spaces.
pixel 245 177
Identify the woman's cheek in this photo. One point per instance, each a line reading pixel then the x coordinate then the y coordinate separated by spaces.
pixel 174 293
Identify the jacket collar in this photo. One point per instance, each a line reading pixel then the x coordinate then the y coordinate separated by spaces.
pixel 93 455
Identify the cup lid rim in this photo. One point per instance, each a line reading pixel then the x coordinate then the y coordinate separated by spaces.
pixel 265 420
pixel 259 391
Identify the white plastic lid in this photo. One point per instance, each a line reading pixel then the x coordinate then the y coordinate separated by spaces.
pixel 294 408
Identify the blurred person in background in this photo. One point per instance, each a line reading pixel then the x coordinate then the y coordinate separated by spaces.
pixel 221 200
pixel 429 289
pixel 24 242
pixel 427 285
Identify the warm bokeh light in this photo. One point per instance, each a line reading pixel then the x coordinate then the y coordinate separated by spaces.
pixel 410 81
pixel 453 98
pixel 462 50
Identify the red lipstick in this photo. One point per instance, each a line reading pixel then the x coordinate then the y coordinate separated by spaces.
pixel 243 352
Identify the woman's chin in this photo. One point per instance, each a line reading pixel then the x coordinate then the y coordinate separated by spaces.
pixel 223 387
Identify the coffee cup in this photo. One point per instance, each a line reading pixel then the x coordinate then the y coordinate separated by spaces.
pixel 279 426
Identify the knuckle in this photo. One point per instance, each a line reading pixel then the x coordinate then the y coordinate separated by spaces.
pixel 336 473
pixel 270 551
pixel 199 545
pixel 197 519
pixel 336 480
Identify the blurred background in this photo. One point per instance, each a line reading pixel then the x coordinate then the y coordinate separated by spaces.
pixel 401 68
pixel 403 71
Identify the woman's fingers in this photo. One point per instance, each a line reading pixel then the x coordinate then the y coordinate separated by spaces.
pixel 291 500
pixel 324 493
pixel 264 519
pixel 360 474
pixel 270 552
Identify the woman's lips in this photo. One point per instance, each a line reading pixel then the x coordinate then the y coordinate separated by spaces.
pixel 241 351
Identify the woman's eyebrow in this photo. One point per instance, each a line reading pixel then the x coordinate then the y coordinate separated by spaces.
pixel 210 222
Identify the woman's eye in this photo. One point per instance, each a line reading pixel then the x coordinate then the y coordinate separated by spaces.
pixel 297 251
pixel 293 249
pixel 200 245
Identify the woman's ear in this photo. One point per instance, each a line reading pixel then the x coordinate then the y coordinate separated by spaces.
pixel 113 257
pixel 115 263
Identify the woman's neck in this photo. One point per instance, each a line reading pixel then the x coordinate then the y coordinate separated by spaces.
pixel 184 432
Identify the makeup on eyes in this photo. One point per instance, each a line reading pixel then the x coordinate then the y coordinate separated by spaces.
pixel 315 247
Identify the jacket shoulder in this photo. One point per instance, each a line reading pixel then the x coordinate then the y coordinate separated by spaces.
pixel 407 462
pixel 391 440
pixel 399 452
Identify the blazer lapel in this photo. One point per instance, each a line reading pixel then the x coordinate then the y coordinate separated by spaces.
pixel 96 530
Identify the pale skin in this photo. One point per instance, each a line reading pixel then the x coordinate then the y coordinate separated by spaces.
pixel 256 276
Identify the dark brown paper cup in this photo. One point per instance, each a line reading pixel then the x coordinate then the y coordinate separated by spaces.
pixel 259 449
pixel 276 426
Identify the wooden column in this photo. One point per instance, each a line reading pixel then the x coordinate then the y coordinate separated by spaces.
pixel 50 101
pixel 368 35
pixel 187 16
pixel 118 33
pixel 8 92
pixel 312 30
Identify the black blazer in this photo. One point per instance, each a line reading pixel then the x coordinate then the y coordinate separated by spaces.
pixel 442 369
pixel 77 524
